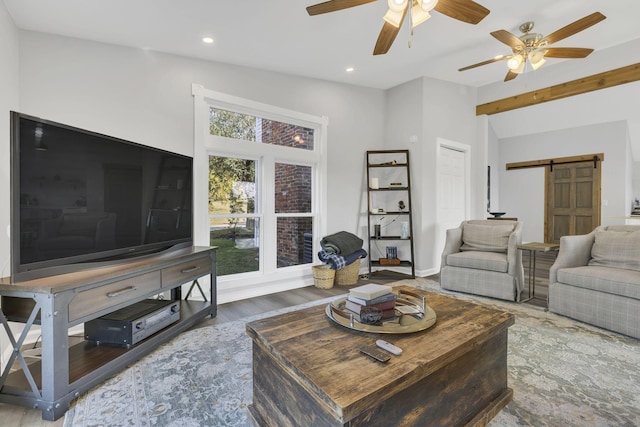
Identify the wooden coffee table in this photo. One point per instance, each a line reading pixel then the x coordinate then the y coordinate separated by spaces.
pixel 308 371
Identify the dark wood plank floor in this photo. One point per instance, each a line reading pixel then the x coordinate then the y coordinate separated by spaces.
pixel 544 261
pixel 22 417
pixel 239 309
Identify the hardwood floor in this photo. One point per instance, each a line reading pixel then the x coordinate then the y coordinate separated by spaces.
pixel 544 261
pixel 239 309
pixel 16 416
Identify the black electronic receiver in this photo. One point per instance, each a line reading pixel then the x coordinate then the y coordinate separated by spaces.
pixel 375 353
pixel 132 324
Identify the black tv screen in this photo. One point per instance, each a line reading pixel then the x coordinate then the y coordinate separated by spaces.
pixel 80 197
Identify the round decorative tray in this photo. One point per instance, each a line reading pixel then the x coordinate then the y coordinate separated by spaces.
pixel 412 315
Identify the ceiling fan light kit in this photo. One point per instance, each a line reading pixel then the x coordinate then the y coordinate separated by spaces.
pixel 398 5
pixel 534 48
pixel 536 58
pixel 393 17
pixel 429 4
pixel 418 15
pixel 514 62
pixel 419 11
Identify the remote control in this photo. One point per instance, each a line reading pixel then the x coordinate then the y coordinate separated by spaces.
pixel 389 347
pixel 375 353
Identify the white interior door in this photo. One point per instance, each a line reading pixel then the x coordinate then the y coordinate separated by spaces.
pixel 453 188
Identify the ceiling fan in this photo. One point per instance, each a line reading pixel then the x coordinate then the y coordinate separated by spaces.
pixel 534 48
pixel 462 10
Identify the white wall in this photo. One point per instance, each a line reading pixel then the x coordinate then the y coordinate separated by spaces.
pixel 404 131
pixel 145 97
pixel 494 161
pixel 417 114
pixel 522 191
pixel 8 101
pixel 636 181
pixel 629 195
pixel 619 103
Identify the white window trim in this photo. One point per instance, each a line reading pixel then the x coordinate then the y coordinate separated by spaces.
pixel 250 284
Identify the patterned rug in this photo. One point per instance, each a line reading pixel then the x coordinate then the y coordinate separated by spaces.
pixel 563 373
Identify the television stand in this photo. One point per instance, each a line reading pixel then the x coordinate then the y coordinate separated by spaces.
pixel 60 302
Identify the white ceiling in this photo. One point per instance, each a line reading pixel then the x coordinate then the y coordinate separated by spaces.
pixel 279 35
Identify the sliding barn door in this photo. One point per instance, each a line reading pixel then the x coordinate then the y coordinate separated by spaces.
pixel 572 199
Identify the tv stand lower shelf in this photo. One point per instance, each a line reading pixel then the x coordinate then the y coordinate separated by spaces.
pixel 66 371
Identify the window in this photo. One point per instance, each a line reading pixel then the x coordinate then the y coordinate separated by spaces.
pixel 234 225
pixel 292 196
pixel 246 127
pixel 265 191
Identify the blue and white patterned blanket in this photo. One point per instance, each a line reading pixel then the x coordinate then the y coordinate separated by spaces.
pixel 336 262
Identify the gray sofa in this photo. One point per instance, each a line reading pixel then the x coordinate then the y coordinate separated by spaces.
pixel 481 257
pixel 596 278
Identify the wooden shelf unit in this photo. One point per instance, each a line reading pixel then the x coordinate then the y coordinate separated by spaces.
pixel 64 371
pixel 385 166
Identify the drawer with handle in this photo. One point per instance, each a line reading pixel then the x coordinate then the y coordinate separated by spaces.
pixel 97 299
pixel 186 271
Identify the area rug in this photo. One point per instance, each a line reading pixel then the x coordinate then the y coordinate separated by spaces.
pixel 562 372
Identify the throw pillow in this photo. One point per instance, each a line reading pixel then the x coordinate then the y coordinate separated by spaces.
pixel 481 237
pixel 619 249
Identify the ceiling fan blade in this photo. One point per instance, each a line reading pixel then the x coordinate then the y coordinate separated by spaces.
pixel 387 36
pixel 574 27
pixel 510 76
pixel 480 64
pixel 462 10
pixel 567 52
pixel 333 5
pixel 509 39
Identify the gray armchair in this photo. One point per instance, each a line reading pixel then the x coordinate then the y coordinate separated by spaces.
pixel 596 278
pixel 481 257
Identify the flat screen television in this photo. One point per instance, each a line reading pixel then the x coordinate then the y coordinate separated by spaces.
pixel 82 199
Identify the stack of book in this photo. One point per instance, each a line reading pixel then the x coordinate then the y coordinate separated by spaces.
pixel 371 303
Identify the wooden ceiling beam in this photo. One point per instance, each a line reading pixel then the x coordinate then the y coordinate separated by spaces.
pixel 628 74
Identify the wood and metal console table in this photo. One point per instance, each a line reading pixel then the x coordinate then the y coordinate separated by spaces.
pixel 533 248
pixel 60 302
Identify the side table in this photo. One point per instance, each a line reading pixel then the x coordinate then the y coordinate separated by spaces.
pixel 533 248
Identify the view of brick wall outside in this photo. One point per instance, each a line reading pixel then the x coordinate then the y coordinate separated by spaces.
pixel 292 191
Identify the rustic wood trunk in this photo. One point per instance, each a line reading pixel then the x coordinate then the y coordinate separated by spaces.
pixel 309 371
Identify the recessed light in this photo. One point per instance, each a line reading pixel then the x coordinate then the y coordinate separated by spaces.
pixel 208 40
pixel 350 69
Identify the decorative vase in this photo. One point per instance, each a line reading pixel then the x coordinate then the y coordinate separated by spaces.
pixel 404 230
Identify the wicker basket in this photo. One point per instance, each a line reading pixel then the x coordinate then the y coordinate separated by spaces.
pixel 323 276
pixel 348 275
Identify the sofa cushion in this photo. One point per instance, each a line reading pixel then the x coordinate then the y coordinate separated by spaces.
pixel 479 260
pixel 610 280
pixel 619 249
pixel 481 237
